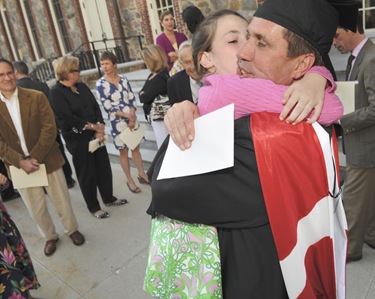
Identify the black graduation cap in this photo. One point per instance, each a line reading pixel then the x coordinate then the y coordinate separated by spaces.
pixel 314 20
pixel 348 13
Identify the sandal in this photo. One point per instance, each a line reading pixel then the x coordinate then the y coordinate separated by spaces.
pixel 101 215
pixel 117 202
pixel 141 180
pixel 136 190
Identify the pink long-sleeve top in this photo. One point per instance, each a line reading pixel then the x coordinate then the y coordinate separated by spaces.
pixel 257 95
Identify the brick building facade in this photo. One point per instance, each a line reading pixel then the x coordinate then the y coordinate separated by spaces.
pixel 36 30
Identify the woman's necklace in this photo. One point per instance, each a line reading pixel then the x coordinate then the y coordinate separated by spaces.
pixel 171 37
pixel 112 78
pixel 74 89
pixel 72 86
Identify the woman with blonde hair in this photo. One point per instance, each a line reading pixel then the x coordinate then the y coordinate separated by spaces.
pixel 118 101
pixel 154 93
pixel 80 120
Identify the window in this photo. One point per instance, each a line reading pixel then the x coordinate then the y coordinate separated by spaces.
pixel 32 28
pixel 368 9
pixel 163 5
pixel 13 41
pixel 61 24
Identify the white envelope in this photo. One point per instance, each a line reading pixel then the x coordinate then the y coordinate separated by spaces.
pixel 21 179
pixel 346 92
pixel 212 148
pixel 95 144
pixel 132 137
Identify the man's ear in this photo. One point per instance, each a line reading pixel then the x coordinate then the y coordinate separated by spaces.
pixel 205 60
pixel 304 63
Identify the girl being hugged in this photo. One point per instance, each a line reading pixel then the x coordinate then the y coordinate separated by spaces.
pixel 215 59
pixel 118 101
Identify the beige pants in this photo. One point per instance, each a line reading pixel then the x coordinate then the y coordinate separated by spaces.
pixel 35 201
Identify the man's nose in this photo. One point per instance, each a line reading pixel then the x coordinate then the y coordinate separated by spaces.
pixel 245 52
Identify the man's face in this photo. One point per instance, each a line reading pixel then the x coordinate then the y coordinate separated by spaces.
pixel 342 41
pixel 7 78
pixel 188 63
pixel 265 53
pixel 107 66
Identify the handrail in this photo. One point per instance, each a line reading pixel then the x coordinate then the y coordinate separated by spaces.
pixel 88 54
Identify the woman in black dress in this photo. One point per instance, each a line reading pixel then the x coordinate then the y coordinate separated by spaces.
pixel 154 93
pixel 80 120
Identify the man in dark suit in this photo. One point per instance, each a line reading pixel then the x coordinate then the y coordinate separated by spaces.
pixel 359 140
pixel 185 84
pixel 21 72
pixel 27 140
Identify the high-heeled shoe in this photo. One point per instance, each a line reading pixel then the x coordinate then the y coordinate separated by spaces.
pixel 141 180
pixel 136 190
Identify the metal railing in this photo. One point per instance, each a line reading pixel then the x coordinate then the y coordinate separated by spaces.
pixel 88 54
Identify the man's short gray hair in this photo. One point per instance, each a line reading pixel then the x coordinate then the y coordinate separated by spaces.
pixel 183 45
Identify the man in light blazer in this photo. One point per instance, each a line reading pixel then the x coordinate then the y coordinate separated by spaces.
pixel 27 139
pixel 21 72
pixel 184 85
pixel 359 141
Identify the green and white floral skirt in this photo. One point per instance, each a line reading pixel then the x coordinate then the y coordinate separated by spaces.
pixel 183 261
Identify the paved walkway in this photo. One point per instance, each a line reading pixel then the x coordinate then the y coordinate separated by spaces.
pixel 111 264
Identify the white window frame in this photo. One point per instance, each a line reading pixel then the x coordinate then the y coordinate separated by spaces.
pixel 370 32
pixel 155 7
pixel 57 29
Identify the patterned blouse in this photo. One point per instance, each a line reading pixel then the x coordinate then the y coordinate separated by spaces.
pixel 113 99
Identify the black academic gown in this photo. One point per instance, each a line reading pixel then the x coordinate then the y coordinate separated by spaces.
pixel 232 201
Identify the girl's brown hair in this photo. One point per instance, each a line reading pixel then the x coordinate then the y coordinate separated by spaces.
pixel 205 34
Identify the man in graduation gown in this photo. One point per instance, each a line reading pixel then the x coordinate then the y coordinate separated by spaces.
pixel 242 202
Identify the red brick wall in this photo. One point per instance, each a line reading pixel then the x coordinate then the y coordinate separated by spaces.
pixel 81 25
pixel 145 24
pixel 112 18
pixel 178 17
